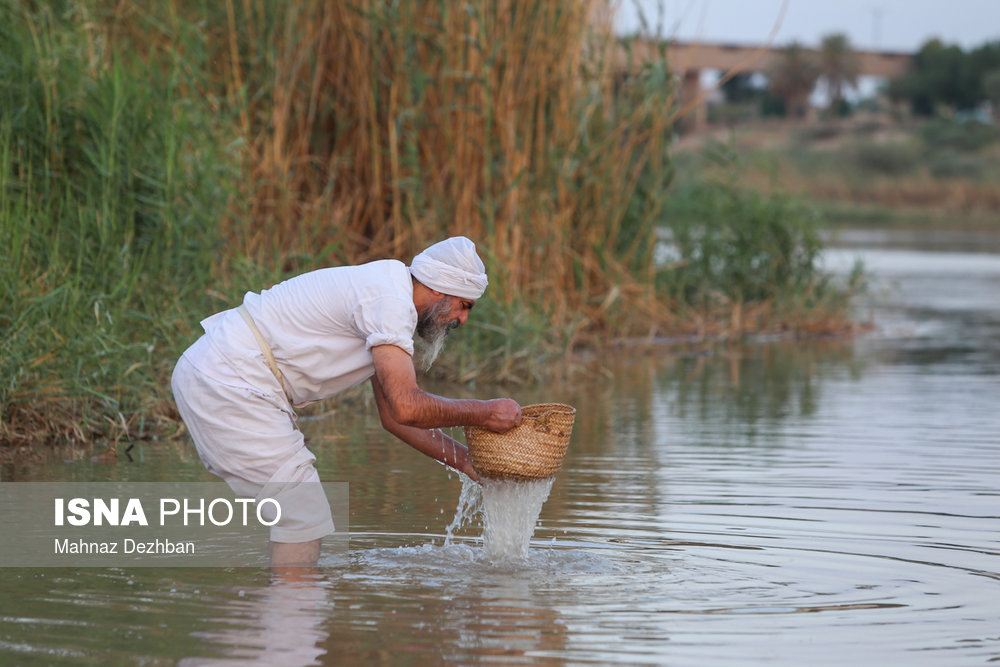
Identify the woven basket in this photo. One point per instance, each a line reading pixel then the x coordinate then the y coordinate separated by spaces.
pixel 533 450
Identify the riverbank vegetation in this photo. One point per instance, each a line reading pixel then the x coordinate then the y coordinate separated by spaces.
pixel 868 170
pixel 156 163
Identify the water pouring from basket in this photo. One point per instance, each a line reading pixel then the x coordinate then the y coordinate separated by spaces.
pixel 517 469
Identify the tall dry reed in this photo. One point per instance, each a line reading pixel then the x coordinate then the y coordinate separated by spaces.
pixel 381 127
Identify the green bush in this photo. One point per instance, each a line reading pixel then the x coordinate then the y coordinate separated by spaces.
pixel 895 158
pixel 954 164
pixel 967 137
pixel 818 132
pixel 867 128
pixel 733 241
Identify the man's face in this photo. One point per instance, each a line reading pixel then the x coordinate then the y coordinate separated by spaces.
pixel 437 321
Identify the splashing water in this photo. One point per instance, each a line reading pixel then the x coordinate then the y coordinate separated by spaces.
pixel 510 510
pixel 469 504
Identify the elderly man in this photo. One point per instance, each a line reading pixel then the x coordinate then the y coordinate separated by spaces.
pixel 311 337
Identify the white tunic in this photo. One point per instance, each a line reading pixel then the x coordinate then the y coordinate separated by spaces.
pixel 321 327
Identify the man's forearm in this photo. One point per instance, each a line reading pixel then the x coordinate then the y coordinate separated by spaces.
pixel 431 442
pixel 435 444
pixel 438 446
pixel 405 403
pixel 423 410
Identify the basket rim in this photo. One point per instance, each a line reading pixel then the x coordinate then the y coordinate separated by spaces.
pixel 534 411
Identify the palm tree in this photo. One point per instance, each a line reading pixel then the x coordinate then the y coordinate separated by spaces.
pixel 792 78
pixel 839 67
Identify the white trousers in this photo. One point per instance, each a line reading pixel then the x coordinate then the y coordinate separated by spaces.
pixel 254 445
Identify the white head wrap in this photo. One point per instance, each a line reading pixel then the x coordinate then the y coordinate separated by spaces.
pixel 451 267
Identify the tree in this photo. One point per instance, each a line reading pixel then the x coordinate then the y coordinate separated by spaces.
pixel 792 78
pixel 839 67
pixel 946 76
pixel 991 87
pixel 984 73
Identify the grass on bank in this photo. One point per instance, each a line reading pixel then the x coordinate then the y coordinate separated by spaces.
pixel 157 162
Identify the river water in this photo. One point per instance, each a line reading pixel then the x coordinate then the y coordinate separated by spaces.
pixel 815 503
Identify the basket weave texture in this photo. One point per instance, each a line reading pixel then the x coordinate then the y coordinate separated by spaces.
pixel 533 450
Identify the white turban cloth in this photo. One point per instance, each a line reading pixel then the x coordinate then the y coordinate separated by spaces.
pixel 451 267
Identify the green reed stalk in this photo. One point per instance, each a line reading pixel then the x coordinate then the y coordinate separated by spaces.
pixel 107 208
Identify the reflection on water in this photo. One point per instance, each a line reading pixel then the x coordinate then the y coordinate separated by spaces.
pixel 278 624
pixel 808 503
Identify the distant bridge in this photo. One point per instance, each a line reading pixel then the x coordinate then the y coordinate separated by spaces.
pixel 688 59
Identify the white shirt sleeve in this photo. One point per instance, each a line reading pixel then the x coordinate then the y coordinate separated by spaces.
pixel 386 320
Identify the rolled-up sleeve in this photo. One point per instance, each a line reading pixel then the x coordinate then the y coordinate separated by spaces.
pixel 387 321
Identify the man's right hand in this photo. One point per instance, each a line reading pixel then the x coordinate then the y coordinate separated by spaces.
pixel 504 415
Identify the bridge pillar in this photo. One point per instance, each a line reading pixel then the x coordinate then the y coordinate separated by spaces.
pixel 697 117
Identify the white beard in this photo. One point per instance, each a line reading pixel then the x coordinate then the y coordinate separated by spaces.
pixel 432 333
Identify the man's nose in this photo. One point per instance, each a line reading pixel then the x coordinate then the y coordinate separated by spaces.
pixel 463 316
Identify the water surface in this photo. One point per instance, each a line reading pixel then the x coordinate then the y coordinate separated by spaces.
pixel 792 503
